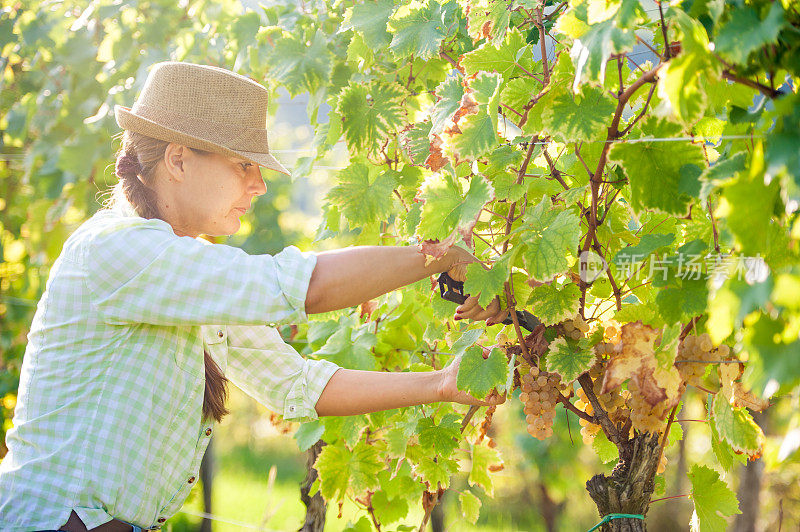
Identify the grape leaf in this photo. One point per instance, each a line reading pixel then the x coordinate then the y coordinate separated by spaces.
pixel 683 79
pixel 370 19
pixel 475 122
pixel 299 66
pixel 478 376
pixel 308 434
pixel 569 361
pixel 654 168
pixel 667 349
pixel 647 244
pixel 418 29
pixel 448 100
pixel 745 32
pixel 487 283
pixel 483 457
pixel 470 506
pixel 551 238
pixel 441 438
pixel 436 473
pixel 583 116
pixel 749 220
pixel 389 510
pixel 486 18
pixel 713 500
pixel 341 469
pixel 606 451
pixel 364 193
pixel 507 58
pixel 552 305
pixel 445 210
pixel 368 113
pixel 726 456
pixel 737 428
pixel 596 40
pixel 518 92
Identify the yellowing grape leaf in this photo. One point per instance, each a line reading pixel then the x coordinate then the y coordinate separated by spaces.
pixel 569 359
pixel 483 457
pixel 736 426
pixel 713 500
pixel 342 470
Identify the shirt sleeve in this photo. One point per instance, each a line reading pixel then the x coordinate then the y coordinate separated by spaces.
pixel 141 272
pixel 274 374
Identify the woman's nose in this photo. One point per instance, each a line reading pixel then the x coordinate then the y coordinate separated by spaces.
pixel 257 184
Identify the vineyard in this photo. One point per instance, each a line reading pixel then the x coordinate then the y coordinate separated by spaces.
pixel 628 172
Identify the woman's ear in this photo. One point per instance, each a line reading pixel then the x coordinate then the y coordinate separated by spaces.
pixel 173 161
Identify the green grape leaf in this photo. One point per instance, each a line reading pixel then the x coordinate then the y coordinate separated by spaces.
pixel 475 131
pixel 595 41
pixel 448 100
pixel 569 360
pixel 470 506
pixel 736 426
pixel 654 168
pixel 478 376
pixel 440 438
pixel 748 209
pixel 683 79
pixel 487 19
pixel 713 500
pixel 683 302
pixel 507 58
pixel 418 29
pixel 667 350
pixel 647 244
pixel 341 469
pixel 369 19
pixel 389 510
pixel 364 193
pixel 487 283
pixel 571 117
pixel 362 525
pixel 446 210
pixel 745 32
pixel 518 92
pixel 369 112
pixel 308 434
pixel 436 472
pixel 483 457
pixel 726 456
pixel 551 239
pixel 300 67
pixel 606 451
pixel 552 305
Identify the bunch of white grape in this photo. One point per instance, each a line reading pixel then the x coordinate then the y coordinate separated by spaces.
pixel 576 328
pixel 698 348
pixel 540 395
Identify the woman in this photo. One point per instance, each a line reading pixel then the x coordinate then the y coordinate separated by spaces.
pixel 142 323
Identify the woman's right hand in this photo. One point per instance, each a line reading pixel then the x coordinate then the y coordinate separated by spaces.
pixel 448 389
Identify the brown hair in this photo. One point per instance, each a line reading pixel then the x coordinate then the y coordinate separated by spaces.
pixel 135 167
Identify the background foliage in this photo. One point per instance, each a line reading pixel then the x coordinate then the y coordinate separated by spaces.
pixel 457 131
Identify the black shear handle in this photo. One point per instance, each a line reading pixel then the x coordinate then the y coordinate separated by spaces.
pixel 453 290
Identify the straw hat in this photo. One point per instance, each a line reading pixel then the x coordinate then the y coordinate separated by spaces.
pixel 203 107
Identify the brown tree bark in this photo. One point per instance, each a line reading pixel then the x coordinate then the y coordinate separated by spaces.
pixel 437 515
pixel 630 486
pixel 315 506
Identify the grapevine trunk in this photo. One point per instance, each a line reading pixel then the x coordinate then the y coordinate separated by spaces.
pixel 629 487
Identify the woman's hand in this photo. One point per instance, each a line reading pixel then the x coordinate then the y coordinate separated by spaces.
pixel 448 390
pixel 470 309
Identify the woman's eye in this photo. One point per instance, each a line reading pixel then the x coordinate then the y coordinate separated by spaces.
pixel 245 166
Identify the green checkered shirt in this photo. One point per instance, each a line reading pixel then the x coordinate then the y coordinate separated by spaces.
pixel 109 413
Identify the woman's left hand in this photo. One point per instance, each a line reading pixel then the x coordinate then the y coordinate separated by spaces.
pixel 448 389
pixel 470 309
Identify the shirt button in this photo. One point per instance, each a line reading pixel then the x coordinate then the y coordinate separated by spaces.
pixel 162 519
pixel 291 409
pixel 191 480
pixel 208 432
pixel 220 333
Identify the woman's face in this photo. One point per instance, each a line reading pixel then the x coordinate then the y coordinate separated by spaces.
pixel 213 193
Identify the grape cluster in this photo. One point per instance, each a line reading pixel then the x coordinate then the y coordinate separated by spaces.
pixel 540 393
pixel 644 416
pixel 576 328
pixel 698 348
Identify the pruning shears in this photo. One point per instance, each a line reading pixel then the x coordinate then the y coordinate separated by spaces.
pixel 453 290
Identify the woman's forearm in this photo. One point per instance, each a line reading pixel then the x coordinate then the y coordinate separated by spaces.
pixel 350 392
pixel 346 277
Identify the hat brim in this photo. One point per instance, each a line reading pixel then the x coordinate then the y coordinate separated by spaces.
pixel 130 121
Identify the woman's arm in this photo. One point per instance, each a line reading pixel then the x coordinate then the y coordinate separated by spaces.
pixel 346 277
pixel 350 392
